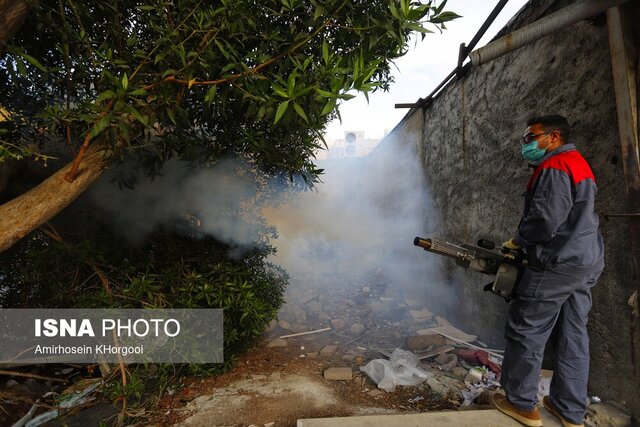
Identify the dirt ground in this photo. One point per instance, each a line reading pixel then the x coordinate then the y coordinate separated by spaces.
pixel 276 387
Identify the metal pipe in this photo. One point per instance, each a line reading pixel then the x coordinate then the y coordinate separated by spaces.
pixel 530 33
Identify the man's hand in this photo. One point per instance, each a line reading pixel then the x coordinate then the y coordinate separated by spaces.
pixel 511 245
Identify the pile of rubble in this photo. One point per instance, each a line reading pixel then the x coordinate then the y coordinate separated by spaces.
pixel 350 328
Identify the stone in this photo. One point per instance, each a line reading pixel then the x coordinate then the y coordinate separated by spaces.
pixel 437 386
pixel 366 289
pixel 348 357
pixel 376 392
pixel 421 342
pixel 328 350
pixel 324 316
pixel 312 355
pixel 411 302
pixel 315 307
pixel 441 321
pixel 285 325
pixel 447 361
pixel 606 414
pixel 360 360
pixel 271 424
pixel 423 314
pixel 278 342
pixel 357 328
pixel 377 307
pixel 277 375
pixel 307 298
pixel 301 316
pixel 338 324
pixel 459 372
pixel 271 326
pixel 338 374
pixel 297 327
pixel 258 377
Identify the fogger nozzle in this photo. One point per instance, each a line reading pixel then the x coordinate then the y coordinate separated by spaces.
pixel 443 248
pixel 423 243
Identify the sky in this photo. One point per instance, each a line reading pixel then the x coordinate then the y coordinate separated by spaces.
pixel 418 72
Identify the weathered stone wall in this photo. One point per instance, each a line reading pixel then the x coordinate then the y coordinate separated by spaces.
pixel 476 176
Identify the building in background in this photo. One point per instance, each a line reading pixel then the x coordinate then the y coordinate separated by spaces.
pixel 354 144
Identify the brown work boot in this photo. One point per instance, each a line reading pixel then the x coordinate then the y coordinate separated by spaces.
pixel 529 418
pixel 546 401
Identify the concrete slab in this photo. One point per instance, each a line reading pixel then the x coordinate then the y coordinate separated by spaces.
pixel 484 418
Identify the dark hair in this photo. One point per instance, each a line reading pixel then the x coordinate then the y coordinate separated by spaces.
pixel 551 123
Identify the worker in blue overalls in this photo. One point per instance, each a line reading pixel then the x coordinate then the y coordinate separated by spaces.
pixel 559 234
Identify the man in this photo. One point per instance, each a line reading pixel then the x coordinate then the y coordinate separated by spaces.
pixel 559 234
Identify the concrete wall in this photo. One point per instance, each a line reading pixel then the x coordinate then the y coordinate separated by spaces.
pixel 476 176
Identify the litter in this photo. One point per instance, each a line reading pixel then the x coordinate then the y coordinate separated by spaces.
pixel 69 402
pixel 299 334
pixel 400 370
pixel 479 356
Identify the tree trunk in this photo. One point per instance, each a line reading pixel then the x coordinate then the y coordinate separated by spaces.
pixel 29 211
pixel 12 15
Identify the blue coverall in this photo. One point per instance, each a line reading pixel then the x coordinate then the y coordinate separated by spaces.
pixel 559 233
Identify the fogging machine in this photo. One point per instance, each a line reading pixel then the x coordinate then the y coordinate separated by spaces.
pixel 505 265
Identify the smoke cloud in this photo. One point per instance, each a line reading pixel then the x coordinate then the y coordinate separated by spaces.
pixel 355 228
pixel 213 197
pixel 358 226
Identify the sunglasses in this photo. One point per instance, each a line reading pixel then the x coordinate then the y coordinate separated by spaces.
pixel 528 138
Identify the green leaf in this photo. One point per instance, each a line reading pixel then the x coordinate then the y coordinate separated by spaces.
pixel 107 94
pixel 169 72
pixel 281 110
pixel 439 8
pixel 329 106
pixel 394 10
pixel 125 81
pixel 300 112
pixel 291 82
pixel 99 127
pixel 325 93
pixel 33 61
pixel 444 17
pixel 416 27
pixel 346 96
pixel 404 4
pixel 325 51
pixel 280 91
pixel 138 92
pixel 21 68
pixel 211 93
pixel 171 116
pixel 135 113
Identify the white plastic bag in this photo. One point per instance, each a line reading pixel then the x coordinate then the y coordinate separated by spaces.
pixel 400 370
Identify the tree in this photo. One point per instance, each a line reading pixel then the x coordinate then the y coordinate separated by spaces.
pixel 256 79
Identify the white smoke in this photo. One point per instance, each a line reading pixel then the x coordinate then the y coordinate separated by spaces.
pixel 212 197
pixel 360 222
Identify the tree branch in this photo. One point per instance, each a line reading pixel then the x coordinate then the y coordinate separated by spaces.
pixel 32 209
